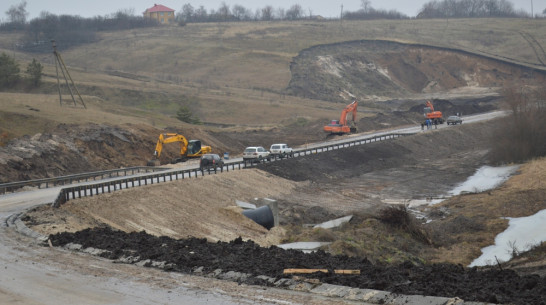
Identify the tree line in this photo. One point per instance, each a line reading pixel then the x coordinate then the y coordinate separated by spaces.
pixel 470 9
pixel 70 30
pixel 67 30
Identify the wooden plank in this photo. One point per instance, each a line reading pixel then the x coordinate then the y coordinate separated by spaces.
pixel 347 271
pixel 291 271
pixel 337 271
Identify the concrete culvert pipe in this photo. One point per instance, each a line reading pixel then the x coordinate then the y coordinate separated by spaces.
pixel 262 216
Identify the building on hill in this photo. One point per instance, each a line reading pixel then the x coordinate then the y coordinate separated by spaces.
pixel 161 13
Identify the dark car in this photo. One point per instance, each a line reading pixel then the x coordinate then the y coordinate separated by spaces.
pixel 211 161
pixel 454 120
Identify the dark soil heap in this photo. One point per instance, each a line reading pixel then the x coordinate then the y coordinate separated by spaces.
pixel 185 255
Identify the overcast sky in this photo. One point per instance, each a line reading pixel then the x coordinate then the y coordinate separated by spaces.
pixel 326 8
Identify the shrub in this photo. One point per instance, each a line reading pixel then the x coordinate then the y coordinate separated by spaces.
pixel 9 71
pixel 184 114
pixel 399 217
pixel 34 70
pixel 521 135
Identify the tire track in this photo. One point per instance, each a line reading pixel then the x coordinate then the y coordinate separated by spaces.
pixel 536 46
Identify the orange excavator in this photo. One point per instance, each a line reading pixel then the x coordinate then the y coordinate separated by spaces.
pixel 341 127
pixel 188 149
pixel 436 117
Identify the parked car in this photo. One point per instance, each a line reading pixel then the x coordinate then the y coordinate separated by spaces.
pixel 454 120
pixel 256 153
pixel 281 150
pixel 211 161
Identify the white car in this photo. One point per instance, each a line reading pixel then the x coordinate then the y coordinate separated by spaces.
pixel 256 153
pixel 281 150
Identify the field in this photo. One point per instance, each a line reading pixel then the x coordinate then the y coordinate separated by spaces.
pixel 238 73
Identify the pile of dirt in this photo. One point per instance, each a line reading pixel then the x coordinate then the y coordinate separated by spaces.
pixel 376 69
pixel 71 149
pixel 202 207
pixel 189 255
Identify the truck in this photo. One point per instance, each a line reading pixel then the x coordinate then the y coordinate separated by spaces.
pixel 188 149
pixel 281 150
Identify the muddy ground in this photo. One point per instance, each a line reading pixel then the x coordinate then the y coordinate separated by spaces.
pixel 199 256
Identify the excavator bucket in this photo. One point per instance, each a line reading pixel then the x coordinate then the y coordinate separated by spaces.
pixel 153 162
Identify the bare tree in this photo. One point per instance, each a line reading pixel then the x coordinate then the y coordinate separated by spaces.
pixel 281 13
pixel 18 13
pixel 224 12
pixel 295 12
pixel 187 12
pixel 267 13
pixel 366 5
pixel 258 14
pixel 240 12
pixel 201 14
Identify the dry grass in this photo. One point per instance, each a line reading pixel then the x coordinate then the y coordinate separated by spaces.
pixel 522 195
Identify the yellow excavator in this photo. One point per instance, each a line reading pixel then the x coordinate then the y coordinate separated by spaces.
pixel 188 149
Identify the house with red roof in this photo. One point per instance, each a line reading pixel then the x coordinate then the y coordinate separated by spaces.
pixel 161 13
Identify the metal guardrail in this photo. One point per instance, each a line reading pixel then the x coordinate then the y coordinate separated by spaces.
pixel 76 178
pixel 89 190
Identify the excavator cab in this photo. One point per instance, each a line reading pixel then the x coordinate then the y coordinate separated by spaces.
pixel 194 147
pixel 426 110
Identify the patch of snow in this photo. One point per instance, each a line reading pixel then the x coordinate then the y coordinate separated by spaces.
pixel 522 234
pixel 484 179
pixel 334 223
pixel 304 246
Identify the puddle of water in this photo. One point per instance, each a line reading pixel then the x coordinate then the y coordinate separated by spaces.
pixel 522 233
pixel 484 179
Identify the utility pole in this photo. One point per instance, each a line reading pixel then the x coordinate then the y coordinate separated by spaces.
pixel 59 64
pixel 532 13
pixel 341 16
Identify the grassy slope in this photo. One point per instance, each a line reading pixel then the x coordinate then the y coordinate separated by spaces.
pixel 239 70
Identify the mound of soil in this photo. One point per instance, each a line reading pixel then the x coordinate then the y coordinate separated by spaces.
pixel 367 69
pixel 186 255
